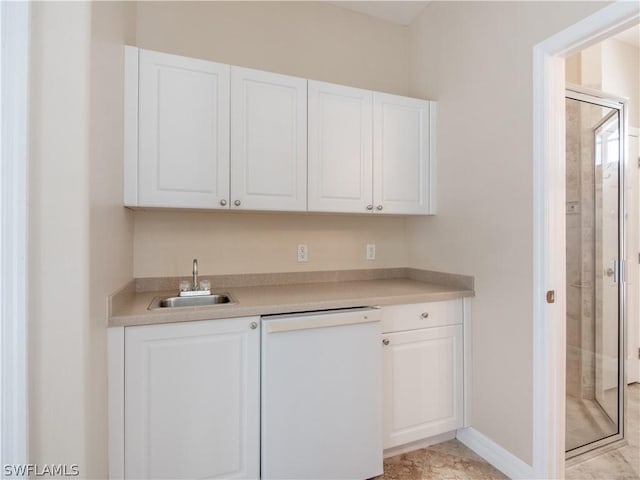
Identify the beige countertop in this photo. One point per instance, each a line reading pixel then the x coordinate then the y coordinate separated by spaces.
pixel 131 307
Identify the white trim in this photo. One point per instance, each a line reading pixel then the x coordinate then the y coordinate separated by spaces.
pixel 418 444
pixel 14 84
pixel 493 453
pixel 466 362
pixel 549 326
pixel 115 375
pixel 433 158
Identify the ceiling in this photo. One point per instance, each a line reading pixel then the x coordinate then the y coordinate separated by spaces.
pixel 631 36
pixel 400 12
pixel 404 12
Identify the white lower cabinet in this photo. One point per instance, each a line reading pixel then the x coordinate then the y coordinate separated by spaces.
pixel 184 398
pixel 192 400
pixel 422 371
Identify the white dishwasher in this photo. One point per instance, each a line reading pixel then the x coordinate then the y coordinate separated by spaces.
pixel 321 395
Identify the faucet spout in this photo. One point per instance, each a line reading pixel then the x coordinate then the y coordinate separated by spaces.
pixel 195 274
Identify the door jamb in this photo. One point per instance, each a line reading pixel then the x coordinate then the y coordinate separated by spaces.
pixel 14 89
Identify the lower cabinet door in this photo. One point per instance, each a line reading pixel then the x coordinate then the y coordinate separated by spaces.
pixel 192 400
pixel 423 384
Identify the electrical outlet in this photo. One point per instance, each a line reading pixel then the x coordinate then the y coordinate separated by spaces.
pixel 303 253
pixel 371 251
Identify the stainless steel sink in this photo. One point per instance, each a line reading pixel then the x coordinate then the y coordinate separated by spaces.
pixel 195 301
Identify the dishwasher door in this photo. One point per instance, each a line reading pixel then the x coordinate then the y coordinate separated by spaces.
pixel 321 395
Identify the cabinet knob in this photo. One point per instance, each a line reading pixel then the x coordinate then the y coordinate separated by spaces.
pixel 369 207
pixel 385 341
pixel 379 208
pixel 253 325
pixel 237 203
pixel 424 315
pixel 223 202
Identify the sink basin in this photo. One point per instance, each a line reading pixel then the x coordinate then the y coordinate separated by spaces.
pixel 197 301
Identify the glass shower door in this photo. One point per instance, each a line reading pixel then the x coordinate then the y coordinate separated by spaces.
pixel 607 284
pixel 595 294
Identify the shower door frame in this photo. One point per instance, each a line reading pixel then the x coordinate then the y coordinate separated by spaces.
pixel 601 99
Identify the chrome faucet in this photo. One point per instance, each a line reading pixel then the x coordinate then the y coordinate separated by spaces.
pixel 197 287
pixel 195 275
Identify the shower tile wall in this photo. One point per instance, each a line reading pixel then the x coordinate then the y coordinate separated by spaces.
pixel 580 251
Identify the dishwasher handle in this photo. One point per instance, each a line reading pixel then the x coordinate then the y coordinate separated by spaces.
pixel 320 321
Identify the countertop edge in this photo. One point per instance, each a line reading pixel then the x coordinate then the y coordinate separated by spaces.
pixel 236 310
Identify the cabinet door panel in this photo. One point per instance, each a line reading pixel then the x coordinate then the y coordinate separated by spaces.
pixel 340 148
pixel 401 154
pixel 192 400
pixel 269 141
pixel 183 131
pixel 423 389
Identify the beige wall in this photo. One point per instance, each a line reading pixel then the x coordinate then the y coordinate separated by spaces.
pixel 80 238
pixel 110 225
pixel 621 74
pixel 166 242
pixel 306 39
pixel 58 233
pixel 482 81
pixel 613 67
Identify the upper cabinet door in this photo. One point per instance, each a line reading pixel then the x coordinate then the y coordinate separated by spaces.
pixel 268 141
pixel 183 132
pixel 401 155
pixel 340 146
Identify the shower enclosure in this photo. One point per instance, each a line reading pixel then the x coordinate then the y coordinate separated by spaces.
pixel 595 288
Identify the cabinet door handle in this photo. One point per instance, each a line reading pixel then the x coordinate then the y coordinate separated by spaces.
pixel 223 202
pixel 424 315
pixel 379 208
pixel 253 325
pixel 385 341
pixel 237 203
pixel 369 207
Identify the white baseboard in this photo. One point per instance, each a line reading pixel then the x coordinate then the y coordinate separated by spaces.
pixel 496 455
pixel 417 445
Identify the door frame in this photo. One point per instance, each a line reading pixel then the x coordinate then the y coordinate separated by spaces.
pixel 549 269
pixel 14 88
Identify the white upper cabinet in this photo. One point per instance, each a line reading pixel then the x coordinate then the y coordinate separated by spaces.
pixel 340 148
pixel 268 141
pixel 402 155
pixel 200 134
pixel 183 131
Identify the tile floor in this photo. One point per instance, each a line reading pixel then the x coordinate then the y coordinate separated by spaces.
pixel 586 422
pixel 453 461
pixel 448 460
pixel 623 463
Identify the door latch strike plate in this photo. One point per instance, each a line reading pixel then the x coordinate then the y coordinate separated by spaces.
pixel 551 296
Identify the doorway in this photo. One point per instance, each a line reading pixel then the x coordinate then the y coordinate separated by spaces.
pixel 595 300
